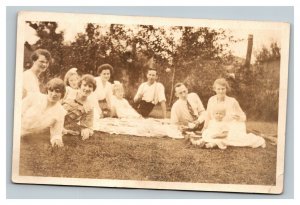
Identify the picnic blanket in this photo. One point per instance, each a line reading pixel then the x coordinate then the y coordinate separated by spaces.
pixel 149 127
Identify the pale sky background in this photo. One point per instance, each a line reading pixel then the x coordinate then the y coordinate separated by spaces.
pixel 260 38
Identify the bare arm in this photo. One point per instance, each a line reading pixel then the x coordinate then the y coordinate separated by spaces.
pixel 164 108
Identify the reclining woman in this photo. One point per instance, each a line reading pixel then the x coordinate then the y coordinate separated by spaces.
pixel 79 117
pixel 41 112
pixel 120 106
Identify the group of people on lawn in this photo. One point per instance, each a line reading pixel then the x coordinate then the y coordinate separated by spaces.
pixel 72 105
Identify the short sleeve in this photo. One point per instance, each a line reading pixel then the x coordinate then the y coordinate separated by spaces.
pixel 139 91
pixel 160 93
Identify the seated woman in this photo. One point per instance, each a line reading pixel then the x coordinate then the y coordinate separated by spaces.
pixel 101 97
pixel 79 117
pixel 41 112
pixel 233 109
pixel 120 106
pixel 233 116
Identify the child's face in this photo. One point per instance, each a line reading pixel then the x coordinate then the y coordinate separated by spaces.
pixel 151 76
pixel 219 115
pixel 119 93
pixel 73 81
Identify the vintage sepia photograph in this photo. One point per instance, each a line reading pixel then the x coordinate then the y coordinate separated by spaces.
pixel 150 102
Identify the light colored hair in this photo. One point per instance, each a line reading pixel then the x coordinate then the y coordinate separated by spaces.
pixel 72 71
pixel 219 108
pixel 222 82
pixel 117 86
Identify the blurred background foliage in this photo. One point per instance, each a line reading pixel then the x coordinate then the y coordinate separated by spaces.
pixel 195 56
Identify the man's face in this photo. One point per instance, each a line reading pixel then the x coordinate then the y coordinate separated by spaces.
pixel 151 76
pixel 181 92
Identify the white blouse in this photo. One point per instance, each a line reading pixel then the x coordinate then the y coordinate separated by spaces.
pixel 37 117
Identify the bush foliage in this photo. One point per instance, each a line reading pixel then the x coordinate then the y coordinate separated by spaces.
pixel 193 55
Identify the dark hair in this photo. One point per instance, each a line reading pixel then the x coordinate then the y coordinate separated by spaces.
pixel 57 84
pixel 105 67
pixel 178 85
pixel 35 55
pixel 89 79
pixel 154 69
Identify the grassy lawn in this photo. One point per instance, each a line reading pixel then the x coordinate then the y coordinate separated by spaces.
pixel 106 156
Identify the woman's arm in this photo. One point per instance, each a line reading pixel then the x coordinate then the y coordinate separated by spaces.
pixel 87 122
pixel 238 112
pixel 56 131
pixel 164 108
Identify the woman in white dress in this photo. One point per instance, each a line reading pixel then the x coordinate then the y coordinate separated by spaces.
pixel 120 106
pixel 235 118
pixel 101 97
pixel 41 112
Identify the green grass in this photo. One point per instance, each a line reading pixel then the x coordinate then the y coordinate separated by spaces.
pixel 106 156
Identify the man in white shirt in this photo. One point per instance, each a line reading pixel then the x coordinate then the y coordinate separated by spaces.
pixel 149 94
pixel 188 109
pixel 40 62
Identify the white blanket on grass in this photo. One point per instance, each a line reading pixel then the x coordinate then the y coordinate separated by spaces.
pixel 138 127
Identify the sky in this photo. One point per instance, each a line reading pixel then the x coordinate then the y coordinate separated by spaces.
pixel 239 49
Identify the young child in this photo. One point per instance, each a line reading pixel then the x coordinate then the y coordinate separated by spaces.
pixel 120 106
pixel 71 81
pixel 216 130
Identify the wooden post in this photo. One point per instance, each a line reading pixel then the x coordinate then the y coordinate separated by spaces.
pixel 172 87
pixel 249 51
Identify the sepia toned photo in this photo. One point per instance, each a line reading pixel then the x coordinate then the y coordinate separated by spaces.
pixel 150 102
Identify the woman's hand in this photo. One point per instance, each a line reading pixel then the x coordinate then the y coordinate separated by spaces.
pixel 57 142
pixel 86 133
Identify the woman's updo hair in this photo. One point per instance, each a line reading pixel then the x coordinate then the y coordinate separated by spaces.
pixel 105 67
pixel 40 52
pixel 222 82
pixel 89 79
pixel 57 85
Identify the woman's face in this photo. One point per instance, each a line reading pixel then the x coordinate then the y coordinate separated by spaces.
pixel 41 63
pixel 86 89
pixel 73 81
pixel 105 75
pixel 54 95
pixel 220 90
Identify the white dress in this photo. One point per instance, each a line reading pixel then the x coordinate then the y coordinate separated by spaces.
pixel 30 83
pixel 36 117
pixel 237 135
pixel 101 93
pixel 123 109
